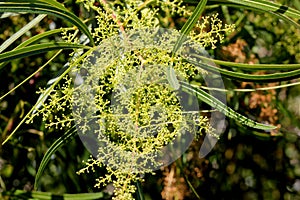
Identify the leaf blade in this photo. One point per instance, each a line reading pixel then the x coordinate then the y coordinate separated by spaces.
pixel 43 8
pixel 37 49
pixel 274 9
pixel 217 104
pixel 187 27
pixel 70 134
pixel 245 66
pixel 21 32
pixel 275 77
pixel 37 195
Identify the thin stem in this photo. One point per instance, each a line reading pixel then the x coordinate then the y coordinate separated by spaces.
pixel 30 76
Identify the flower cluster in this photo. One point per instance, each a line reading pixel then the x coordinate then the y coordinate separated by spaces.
pixel 121 97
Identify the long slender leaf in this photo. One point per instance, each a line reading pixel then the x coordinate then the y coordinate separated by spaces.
pixel 275 77
pixel 52 2
pixel 37 49
pixel 285 85
pixel 35 39
pixel 256 4
pixel 250 66
pixel 8 14
pixel 42 8
pixel 30 76
pixel 49 2
pixel 139 191
pixel 172 79
pixel 41 36
pixel 285 18
pixel 280 11
pixel 37 195
pixel 185 30
pixel 217 104
pixel 21 32
pixel 188 26
pixel 67 137
pixel 275 14
pixel 266 5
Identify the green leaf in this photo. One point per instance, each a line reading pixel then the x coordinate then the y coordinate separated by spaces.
pixel 51 2
pixel 280 11
pixel 171 77
pixel 275 77
pixel 35 39
pixel 7 14
pixel 188 26
pixel 41 36
pixel 21 32
pixel 250 66
pixel 217 104
pixel 140 195
pixel 185 30
pixel 37 49
pixel 67 137
pixel 265 6
pixel 43 7
pixel 37 195
pixel 286 18
pixel 275 14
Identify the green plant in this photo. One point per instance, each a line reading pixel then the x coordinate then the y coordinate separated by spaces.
pixel 112 19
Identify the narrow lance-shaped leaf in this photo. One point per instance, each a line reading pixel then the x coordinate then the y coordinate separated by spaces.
pixel 217 104
pixel 37 195
pixel 8 14
pixel 171 77
pixel 282 12
pixel 49 2
pixel 139 191
pixel 262 5
pixel 67 137
pixel 185 30
pixel 275 77
pixel 267 6
pixel 37 49
pixel 35 39
pixel 42 8
pixel 188 26
pixel 250 67
pixel 21 32
pixel 41 36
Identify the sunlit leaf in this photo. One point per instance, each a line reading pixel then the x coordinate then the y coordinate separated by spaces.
pixel 35 39
pixel 37 49
pixel 21 32
pixel 274 77
pixel 42 7
pixel 251 67
pixel 189 25
pixel 282 12
pixel 220 106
